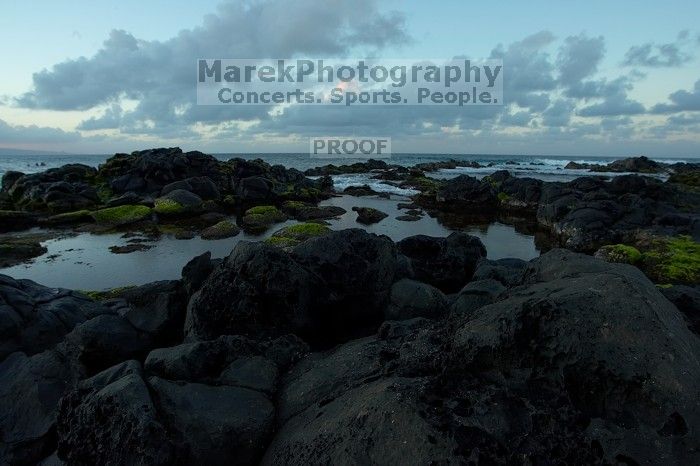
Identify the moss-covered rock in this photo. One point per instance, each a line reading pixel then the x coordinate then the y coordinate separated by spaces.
pixel 259 219
pixel 503 197
pixel 122 215
pixel 620 253
pixel 688 178
pixel 673 260
pixel 294 234
pixel 16 251
pixel 223 229
pixel 166 206
pixel 178 202
pixel 78 216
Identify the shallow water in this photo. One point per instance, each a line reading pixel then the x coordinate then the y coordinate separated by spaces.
pixel 84 261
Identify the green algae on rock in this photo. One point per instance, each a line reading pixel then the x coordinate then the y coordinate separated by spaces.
pixel 620 253
pixel 294 234
pixel 221 230
pixel 673 260
pixel 259 218
pixel 122 215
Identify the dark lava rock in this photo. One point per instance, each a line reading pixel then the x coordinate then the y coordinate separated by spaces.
pixel 129 248
pixel 30 389
pixel 148 171
pixel 477 294
pixel 446 263
pixel 258 290
pixel 17 251
pixel 202 186
pixel 129 198
pixel 15 220
pixel 111 419
pixel 358 269
pixel 215 424
pixel 201 361
pixel 466 191
pixel 305 213
pixel 368 215
pixel 56 190
pixel 255 189
pixel 584 362
pixel 196 271
pixel 34 318
pixel 157 309
pixel 106 340
pixel 253 372
pixel 360 191
pixel 410 299
pixel 408 218
pixel 8 180
pixel 633 164
pixel 509 272
pixel 687 300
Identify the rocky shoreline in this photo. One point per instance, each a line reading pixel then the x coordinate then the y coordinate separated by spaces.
pixel 350 348
pixel 319 346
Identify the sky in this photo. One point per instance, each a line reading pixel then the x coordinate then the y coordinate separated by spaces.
pixel 580 78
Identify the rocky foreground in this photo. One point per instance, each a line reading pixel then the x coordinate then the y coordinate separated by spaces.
pixel 350 349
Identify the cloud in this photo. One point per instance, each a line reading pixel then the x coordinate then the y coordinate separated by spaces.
pixel 615 101
pixel 659 55
pixel 110 119
pixel 681 101
pixel 159 74
pixel 13 134
pixel 559 114
pixel 579 57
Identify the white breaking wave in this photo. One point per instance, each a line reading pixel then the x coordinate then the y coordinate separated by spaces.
pixel 340 182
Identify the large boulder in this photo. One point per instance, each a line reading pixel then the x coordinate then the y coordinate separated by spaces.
pixel 107 340
pixel 466 191
pixel 258 290
pixel 157 309
pixel 111 419
pixel 358 269
pixel 202 186
pixel 446 263
pixel 30 389
pixel 149 171
pixel 217 425
pixel 411 299
pixel 34 318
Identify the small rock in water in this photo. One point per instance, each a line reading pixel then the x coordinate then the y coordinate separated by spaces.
pixel 129 248
pixel 368 215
